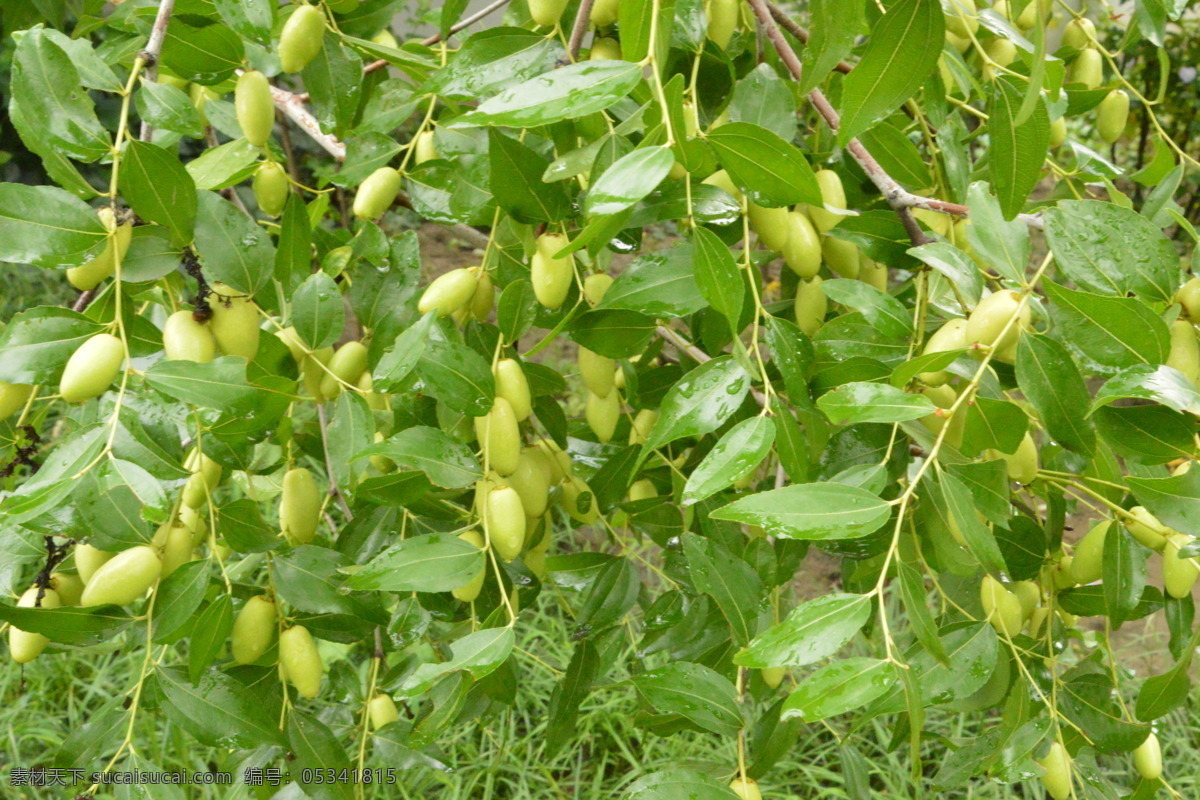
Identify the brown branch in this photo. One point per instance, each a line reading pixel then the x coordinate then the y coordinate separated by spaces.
pixel 900 199
pixel 795 29
pixel 158 35
pixel 695 353
pixel 83 301
pixel 580 27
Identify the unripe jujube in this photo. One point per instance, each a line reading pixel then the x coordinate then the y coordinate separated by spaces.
pixel 532 484
pixel 1147 758
pixel 424 148
pixel 88 276
pixel 951 336
pixel 499 437
pixel 185 339
pixel 1088 69
pixel 302 37
pixel 802 250
pixel 299 506
pixel 579 501
pixel 1079 33
pixel 1001 607
pixel 504 517
pixel 1022 465
pixel 271 188
pixel 513 387
pixel 470 590
pixel 68 587
pixel 22 645
pixel 234 323
pixel 1179 574
pixel 606 49
pixel 551 277
pixel 1146 528
pixel 595 286
pixel 604 12
pixel 745 788
pixel 1057 778
pixel 253 629
pixel 123 578
pixel 88 559
pixel 1087 565
pixel 771 225
pixel 483 296
pixel 1184 354
pixel 603 414
pixel 810 305
pixel 206 477
pixel 1029 594
pixel 377 193
pixel 13 397
pixel 833 195
pixel 1058 132
pixel 1112 115
pixel 178 549
pixel 254 107
pixel 346 367
pixel 381 710
pixel 92 368
pixel 722 20
pixel 840 256
pixel 449 292
pixel 987 322
pixel 643 423
pixel 546 12
pixel 300 661
pixel 597 372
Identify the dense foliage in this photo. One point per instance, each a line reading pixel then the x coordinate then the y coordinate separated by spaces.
pixel 737 282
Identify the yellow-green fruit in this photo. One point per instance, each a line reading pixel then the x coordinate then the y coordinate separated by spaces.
pixel 745 788
pixel 1088 69
pixel 301 39
pixel 1087 564
pixel 92 368
pixel 300 660
pixel 271 188
pixel 123 578
pixel 603 413
pixel 771 225
pixel 1079 33
pixel 773 676
pixel 500 437
pixel 13 397
pixel 810 305
pixel 1022 464
pixel 604 12
pixel 185 339
pixel 596 371
pixel 1179 574
pixel 532 484
pixel 25 646
pixel 377 193
pixel 595 286
pixel 196 523
pixel 381 462
pixel 841 256
pixel 346 366
pixel 722 20
pixel 424 148
pixel 535 557
pixel 200 96
pixel 1001 52
pixel 951 336
pixel 206 477
pixel 470 590
pixel 1029 594
pixel 578 500
pixel 235 322
pixel 505 521
pixel 253 629
pixel 299 506
pixel 555 459
pixel 989 319
pixel 1037 619
pixel 1001 607
pixel 386 38
pixel 722 181
pixel 960 43
pixel 1112 114
pixel 643 489
pixel 1189 297
pixel 171 80
pixel 482 297
pixel 1146 528
pixel 1058 132
pixel 552 277
pixel 1060 573
pixel 381 710
pixel 1184 354
pixel 376 401
pixel 513 387
pixel 1147 758
pixel 546 12
pixel 294 344
pixel 802 250
pixel 68 587
pixel 961 17
pixel 178 549
pixel 605 49
pixel 89 275
pixel 449 292
pixel 643 423
pixel 1057 779
pixel 88 559
pixel 834 196
pixel 254 106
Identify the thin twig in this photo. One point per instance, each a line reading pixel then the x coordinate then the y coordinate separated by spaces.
pixel 158 35
pixel 84 299
pixel 795 29
pixel 582 18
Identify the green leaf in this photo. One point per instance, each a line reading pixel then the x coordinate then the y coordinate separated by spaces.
pixel 310 578
pixel 206 54
pixel 569 694
pixel 993 424
pixel 903 50
pixel 242 526
pixel 334 83
pixel 839 687
pixel 446 461
pixel 717 276
pixel 814 630
pixel 403 356
pixel 573 91
pixel 158 188
pixel 75 626
pixel 660 284
pixel 695 692
pixel 897 154
pixel 178 596
pixel 1162 694
pixel 169 108
pixel 817 511
pixel 1088 702
pixel 1110 332
pixel 1052 384
pixel 1015 151
pixel 225 165
pixel 616 333
pixel 458 376
pixel 38 342
pixel 873 402
pixel 1161 384
pixel 1175 500
pixel 318 312
pixel 219 384
pixel 218 710
pixel 628 180
pixel 48 88
pixel 47 227
pixel 232 247
pixel 1146 434
pixel 1111 250
pixel 478 653
pixel 250 18
pixel 1124 574
pixel 516 181
pixel 516 310
pixel 678 784
pixel 437 562
pixel 493 58
pixel 833 27
pixel 770 170
pixel 209 635
pixel 731 582
pixel 763 98
pixel 319 755
pixel 700 402
pixel 734 456
pixel 879 308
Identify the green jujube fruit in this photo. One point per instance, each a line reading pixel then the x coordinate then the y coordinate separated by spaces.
pixel 1112 115
pixel 271 188
pixel 377 193
pixel 449 292
pixel 185 339
pixel 381 710
pixel 235 322
pixel 299 506
pixel 253 629
pixel 840 256
pixel 603 414
pixel 470 590
pixel 123 578
pixel 1147 758
pixel 1001 607
pixel 987 323
pixel 13 397
pixel 1184 354
pixel 254 107
pixel 771 225
pixel 551 277
pixel 1179 574
pixel 951 336
pixel 513 387
pixel 1146 528
pixel 92 368
pixel 1088 69
pixel 810 305
pixel 802 250
pixel 88 276
pixel 299 661
pixel 302 37
pixel 500 437
pixel 834 195
pixel 547 12
pixel 597 371
pixel 722 18
pixel 1057 778
pixel 68 587
pixel 88 559
pixel 1087 565
pixel 346 367
pixel 23 645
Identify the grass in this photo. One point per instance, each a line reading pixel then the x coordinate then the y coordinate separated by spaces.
pixel 504 754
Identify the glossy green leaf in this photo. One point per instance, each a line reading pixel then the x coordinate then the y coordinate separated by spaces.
pixel 873 402
pixel 734 456
pixel 811 511
pixel 770 170
pixel 437 562
pixel 695 692
pixel 838 688
pixel 813 630
pixel 573 91
pixel 700 402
